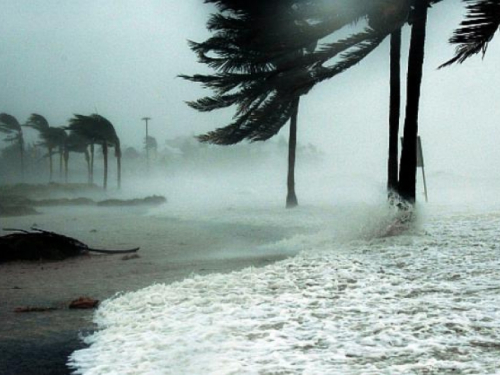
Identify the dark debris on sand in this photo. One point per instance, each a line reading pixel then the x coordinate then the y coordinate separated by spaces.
pixel 44 245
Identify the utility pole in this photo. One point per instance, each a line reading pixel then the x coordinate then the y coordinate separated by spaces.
pixel 146 119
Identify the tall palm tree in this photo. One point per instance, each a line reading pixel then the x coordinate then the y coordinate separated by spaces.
pixel 11 127
pixel 98 130
pixel 51 137
pixel 256 51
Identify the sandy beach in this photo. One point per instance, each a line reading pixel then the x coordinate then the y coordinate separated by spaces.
pixel 172 249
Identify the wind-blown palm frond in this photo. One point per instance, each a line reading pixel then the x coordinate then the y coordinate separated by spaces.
pixel 11 127
pixel 235 132
pixel 266 54
pixel 37 122
pixel 370 41
pixel 51 137
pixel 476 30
pixel 95 128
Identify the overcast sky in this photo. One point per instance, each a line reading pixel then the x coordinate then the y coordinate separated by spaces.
pixel 121 58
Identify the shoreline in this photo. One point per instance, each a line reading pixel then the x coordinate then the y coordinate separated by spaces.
pixel 171 250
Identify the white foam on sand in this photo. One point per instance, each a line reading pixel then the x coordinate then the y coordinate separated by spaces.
pixel 351 302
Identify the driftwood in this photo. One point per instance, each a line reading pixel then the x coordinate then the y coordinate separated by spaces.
pixel 40 244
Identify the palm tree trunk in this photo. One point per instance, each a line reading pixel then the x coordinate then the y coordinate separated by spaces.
pixel 66 162
pixel 21 151
pixel 394 113
pixel 105 154
pixel 92 147
pixel 119 170
pixel 408 172
pixel 118 154
pixel 291 198
pixel 51 169
pixel 61 162
pixel 87 159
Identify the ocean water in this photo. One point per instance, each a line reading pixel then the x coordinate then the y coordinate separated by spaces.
pixel 363 296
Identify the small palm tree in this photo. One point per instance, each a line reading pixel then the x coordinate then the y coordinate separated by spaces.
pixel 98 130
pixel 51 137
pixel 11 127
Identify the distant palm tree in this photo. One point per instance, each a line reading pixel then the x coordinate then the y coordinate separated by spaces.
pixel 11 127
pixel 51 137
pixel 98 130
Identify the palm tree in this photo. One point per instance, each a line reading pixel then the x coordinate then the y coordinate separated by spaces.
pixel 11 127
pixel 98 130
pixel 51 138
pixel 256 52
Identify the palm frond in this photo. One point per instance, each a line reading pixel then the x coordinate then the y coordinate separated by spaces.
pixel 266 54
pixel 476 30
pixel 37 122
pixel 9 124
pixel 262 120
pixel 350 58
pixel 208 104
pixel 95 128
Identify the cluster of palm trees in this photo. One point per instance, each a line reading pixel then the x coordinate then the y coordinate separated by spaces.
pixel 267 54
pixel 81 135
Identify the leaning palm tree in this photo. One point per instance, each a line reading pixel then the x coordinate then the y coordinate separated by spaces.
pixel 11 127
pixel 98 130
pixel 257 50
pixel 52 138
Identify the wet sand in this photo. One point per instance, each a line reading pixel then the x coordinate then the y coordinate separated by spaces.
pixel 171 250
